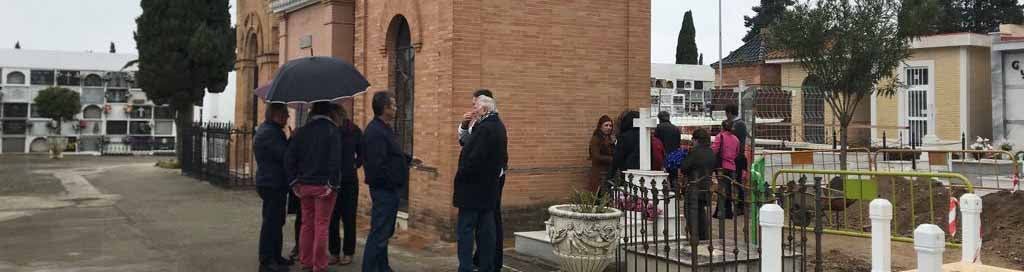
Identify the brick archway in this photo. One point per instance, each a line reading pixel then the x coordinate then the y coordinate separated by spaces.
pixel 401 78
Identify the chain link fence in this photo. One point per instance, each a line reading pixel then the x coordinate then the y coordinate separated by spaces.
pixel 778 117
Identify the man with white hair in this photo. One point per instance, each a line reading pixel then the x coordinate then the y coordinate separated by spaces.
pixel 477 186
pixel 465 129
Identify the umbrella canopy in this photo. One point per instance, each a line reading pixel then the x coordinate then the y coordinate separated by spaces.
pixel 316 79
pixel 262 91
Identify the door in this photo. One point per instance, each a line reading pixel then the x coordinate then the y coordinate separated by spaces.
pixel 917 103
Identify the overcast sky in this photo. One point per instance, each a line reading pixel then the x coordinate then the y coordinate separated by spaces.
pixel 76 25
pixel 80 25
pixel 667 18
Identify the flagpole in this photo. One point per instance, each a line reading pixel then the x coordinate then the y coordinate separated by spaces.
pixel 721 76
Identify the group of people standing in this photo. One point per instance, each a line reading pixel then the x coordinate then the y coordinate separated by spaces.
pixel 613 151
pixel 313 173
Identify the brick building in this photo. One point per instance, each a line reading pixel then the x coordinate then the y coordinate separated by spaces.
pixel 747 63
pixel 555 67
pixel 947 94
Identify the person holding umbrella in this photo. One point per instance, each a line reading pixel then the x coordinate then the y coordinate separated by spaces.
pixel 313 159
pixel 314 156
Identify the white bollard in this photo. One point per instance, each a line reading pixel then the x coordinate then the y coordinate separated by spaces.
pixel 881 235
pixel 970 206
pixel 929 242
pixel 771 220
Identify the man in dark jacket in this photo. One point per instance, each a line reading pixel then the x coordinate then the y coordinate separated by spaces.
pixel 465 129
pixel 481 165
pixel 696 168
pixel 670 137
pixel 269 146
pixel 348 194
pixel 386 171
pixel 668 133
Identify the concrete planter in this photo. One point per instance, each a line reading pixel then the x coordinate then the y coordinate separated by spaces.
pixel 57 146
pixel 584 242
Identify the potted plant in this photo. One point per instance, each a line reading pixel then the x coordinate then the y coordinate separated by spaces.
pixel 59 104
pixel 585 233
pixel 1008 147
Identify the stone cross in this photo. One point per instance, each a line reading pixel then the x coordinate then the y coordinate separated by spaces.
pixel 645 123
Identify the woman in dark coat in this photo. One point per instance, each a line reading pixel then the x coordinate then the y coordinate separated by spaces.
pixel 696 169
pixel 347 201
pixel 627 148
pixel 602 146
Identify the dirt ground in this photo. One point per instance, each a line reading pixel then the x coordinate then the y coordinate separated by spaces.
pixel 1002 227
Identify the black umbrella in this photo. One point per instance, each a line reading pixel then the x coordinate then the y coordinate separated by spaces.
pixel 316 79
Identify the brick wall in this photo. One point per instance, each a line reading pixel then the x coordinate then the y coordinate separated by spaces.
pixel 753 74
pixel 947 94
pixel 555 67
pixel 254 20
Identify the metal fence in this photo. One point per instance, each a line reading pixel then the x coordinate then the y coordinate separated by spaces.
pixel 986 169
pixel 668 227
pixel 780 117
pixel 137 145
pixel 844 197
pixel 219 153
pixel 827 159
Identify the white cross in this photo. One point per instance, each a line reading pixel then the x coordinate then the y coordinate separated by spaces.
pixel 645 123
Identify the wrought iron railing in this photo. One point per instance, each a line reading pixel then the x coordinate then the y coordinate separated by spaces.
pixel 219 153
pixel 684 226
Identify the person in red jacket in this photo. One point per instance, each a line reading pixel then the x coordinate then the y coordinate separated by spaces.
pixel 657 154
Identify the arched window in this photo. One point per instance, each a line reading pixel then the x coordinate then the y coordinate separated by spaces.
pixel 402 74
pixel 92 112
pixel 93 80
pixel 813 111
pixel 16 78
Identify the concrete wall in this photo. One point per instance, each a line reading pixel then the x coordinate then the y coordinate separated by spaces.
pixel 979 94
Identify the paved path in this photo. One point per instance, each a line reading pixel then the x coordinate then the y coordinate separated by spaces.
pixel 123 214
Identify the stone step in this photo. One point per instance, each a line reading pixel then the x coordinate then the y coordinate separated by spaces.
pixel 535 244
pixel 538 244
pixel 679 257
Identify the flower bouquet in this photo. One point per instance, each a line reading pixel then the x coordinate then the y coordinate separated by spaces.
pixel 981 144
pixel 645 207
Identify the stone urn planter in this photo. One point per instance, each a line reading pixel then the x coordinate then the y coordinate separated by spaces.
pixel 584 242
pixel 57 146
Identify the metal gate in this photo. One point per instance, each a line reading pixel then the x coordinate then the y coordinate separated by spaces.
pixel 917 103
pixel 687 227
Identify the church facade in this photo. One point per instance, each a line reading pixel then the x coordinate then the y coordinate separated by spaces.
pixel 555 68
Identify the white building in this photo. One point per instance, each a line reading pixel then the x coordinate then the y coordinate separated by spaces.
pixel 115 114
pixel 1008 85
pixel 681 89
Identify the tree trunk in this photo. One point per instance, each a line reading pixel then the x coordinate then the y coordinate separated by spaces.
pixel 843 142
pixel 182 120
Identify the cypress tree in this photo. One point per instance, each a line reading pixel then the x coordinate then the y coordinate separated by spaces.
pixel 186 48
pixel 686 46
